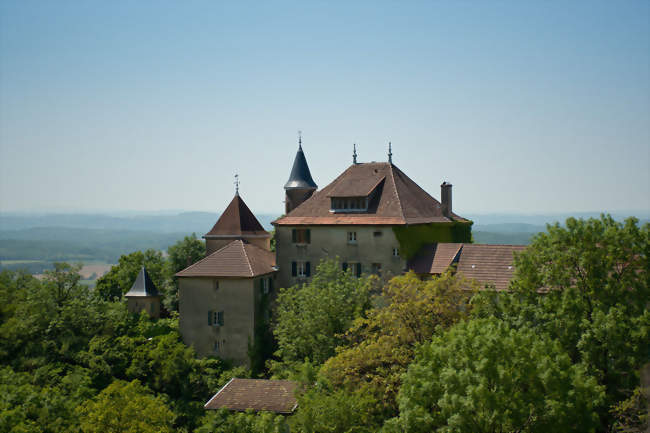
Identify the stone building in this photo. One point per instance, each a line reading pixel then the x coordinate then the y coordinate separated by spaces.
pixel 222 297
pixel 373 217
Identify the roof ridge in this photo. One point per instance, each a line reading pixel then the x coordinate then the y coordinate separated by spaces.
pixel 399 202
pixel 248 260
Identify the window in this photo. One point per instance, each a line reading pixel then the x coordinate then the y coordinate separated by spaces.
pixel 377 233
pixel 376 268
pixel 300 269
pixel 266 285
pixel 216 284
pixel 355 268
pixel 219 345
pixel 349 204
pixel 352 237
pixel 301 236
pixel 395 252
pixel 215 318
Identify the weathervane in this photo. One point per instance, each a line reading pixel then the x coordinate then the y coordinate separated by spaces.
pixel 236 184
pixel 354 153
pixel 390 153
pixel 300 139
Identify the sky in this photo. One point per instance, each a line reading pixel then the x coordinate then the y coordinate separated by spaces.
pixel 525 107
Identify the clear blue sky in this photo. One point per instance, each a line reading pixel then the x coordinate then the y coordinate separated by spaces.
pixel 533 106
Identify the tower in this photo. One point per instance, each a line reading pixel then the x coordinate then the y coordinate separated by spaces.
pixel 143 295
pixel 300 185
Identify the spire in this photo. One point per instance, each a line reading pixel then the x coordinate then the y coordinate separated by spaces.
pixel 142 286
pixel 236 184
pixel 300 177
pixel 390 153
pixel 354 153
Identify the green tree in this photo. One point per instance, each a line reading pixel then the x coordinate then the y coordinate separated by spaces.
pixel 380 346
pixel 182 254
pixel 586 286
pixel 224 421
pixel 483 376
pixel 311 318
pixel 120 278
pixel 126 407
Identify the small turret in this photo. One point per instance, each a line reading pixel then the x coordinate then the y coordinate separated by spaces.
pixel 300 185
pixel 143 295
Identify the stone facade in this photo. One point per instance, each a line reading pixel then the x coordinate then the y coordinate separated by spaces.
pixel 218 315
pixel 354 244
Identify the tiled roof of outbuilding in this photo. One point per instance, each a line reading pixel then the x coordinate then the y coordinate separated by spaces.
pixel 142 286
pixel 256 394
pixel 397 201
pixel 488 264
pixel 236 220
pixel 237 259
pixel 434 258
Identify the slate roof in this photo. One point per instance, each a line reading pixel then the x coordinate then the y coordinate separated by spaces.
pixel 237 220
pixel 397 200
pixel 256 394
pixel 142 286
pixel 300 177
pixel 488 264
pixel 237 259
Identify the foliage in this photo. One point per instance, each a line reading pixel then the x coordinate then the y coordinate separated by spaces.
pixel 483 376
pixel 125 407
pixel 380 346
pixel 594 276
pixel 60 346
pixel 224 421
pixel 182 254
pixel 323 410
pixel 121 277
pixel 311 318
pixel 413 237
pixel 631 415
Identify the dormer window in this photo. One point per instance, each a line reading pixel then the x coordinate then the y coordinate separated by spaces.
pixel 349 204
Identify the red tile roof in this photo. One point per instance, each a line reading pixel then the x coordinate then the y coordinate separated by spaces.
pixel 237 259
pixel 398 200
pixel 488 264
pixel 256 394
pixel 237 219
pixel 434 258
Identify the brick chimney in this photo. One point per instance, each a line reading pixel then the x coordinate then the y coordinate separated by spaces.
pixel 445 195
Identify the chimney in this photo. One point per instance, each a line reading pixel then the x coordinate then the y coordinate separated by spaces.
pixel 445 195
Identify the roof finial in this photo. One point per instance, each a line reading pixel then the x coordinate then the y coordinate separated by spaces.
pixel 390 153
pixel 236 184
pixel 300 140
pixel 354 153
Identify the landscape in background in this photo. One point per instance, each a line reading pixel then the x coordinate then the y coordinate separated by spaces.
pixel 35 241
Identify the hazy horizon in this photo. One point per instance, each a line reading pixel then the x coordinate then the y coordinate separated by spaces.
pixel 525 107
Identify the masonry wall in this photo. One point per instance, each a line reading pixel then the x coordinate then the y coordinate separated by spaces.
pixel 374 244
pixel 150 304
pixel 236 298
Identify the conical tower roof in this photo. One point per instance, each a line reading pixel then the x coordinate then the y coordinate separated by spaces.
pixel 237 220
pixel 143 286
pixel 300 177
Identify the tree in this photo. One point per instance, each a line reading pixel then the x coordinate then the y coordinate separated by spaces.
pixel 312 318
pixel 224 421
pixel 125 407
pixel 380 347
pixel 116 282
pixel 586 285
pixel 483 376
pixel 182 254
